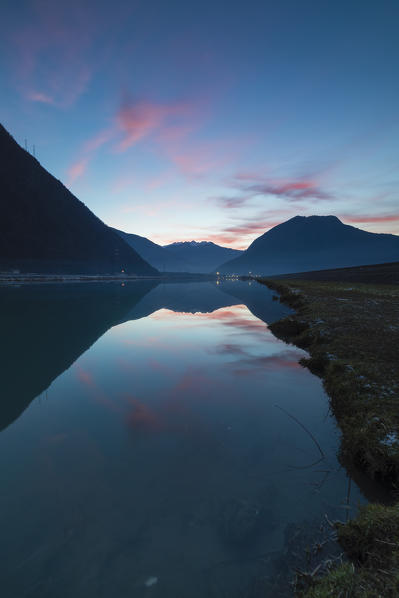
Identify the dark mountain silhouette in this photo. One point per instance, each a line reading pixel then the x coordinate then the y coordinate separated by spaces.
pixel 313 243
pixel 202 256
pixel 44 228
pixel 45 328
pixel 154 254
pixel 186 256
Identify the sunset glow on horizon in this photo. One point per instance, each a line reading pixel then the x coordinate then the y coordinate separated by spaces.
pixel 178 121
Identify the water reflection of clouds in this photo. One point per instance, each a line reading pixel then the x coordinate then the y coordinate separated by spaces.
pixel 171 404
pixel 155 342
pixel 227 349
pixel 95 391
pixel 173 412
pixel 247 362
pixel 147 341
pixel 141 416
pixel 279 361
pixel 134 411
pixel 127 365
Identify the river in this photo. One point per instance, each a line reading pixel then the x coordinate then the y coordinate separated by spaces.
pixel 157 441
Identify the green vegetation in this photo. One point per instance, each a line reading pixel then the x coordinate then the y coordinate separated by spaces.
pixel 371 541
pixel 351 332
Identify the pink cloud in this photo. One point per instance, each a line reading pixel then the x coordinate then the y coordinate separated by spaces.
pixel 292 189
pixel 35 96
pixel 76 170
pixel 240 234
pixel 371 218
pixel 251 227
pixel 251 185
pixel 232 203
pixel 193 163
pixel 196 158
pixel 80 166
pixel 169 127
pixel 138 120
pixel 53 52
pixel 58 46
pixel 98 140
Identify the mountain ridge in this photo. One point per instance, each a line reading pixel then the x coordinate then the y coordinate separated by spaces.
pixel 45 228
pixel 313 243
pixel 203 256
pixel 193 257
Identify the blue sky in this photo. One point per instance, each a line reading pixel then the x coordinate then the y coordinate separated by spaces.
pixel 212 120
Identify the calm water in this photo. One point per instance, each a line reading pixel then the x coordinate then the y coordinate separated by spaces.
pixel 146 448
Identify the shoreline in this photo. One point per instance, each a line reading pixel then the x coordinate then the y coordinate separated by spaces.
pixel 350 331
pixel 19 279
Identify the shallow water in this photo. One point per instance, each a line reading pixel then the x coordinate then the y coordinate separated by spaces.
pixel 147 444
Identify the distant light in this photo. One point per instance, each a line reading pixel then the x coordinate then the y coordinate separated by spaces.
pixel 122 270
pixel 217 273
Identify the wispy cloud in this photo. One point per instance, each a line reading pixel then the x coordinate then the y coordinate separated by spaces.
pixel 86 154
pixel 76 170
pixel 293 190
pixel 252 185
pixel 43 98
pixel 370 219
pixel 231 202
pixel 243 230
pixel 59 46
pixel 240 235
pixel 52 52
pixel 141 119
pixel 166 125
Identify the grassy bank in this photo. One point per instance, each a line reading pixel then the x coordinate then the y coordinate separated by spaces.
pixel 351 332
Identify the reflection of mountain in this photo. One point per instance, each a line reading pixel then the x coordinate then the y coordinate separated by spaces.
pixel 209 296
pixel 252 295
pixel 187 297
pixel 45 328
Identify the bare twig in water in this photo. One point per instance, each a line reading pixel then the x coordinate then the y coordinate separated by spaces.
pixel 306 466
pixel 304 428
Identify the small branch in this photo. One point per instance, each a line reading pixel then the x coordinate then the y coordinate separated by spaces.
pixel 304 428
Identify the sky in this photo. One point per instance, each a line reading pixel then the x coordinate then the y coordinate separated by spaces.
pixel 211 120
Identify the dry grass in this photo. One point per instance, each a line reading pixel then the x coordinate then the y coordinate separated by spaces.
pixel 352 334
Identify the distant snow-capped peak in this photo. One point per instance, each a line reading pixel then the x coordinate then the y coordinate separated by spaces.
pixel 192 243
